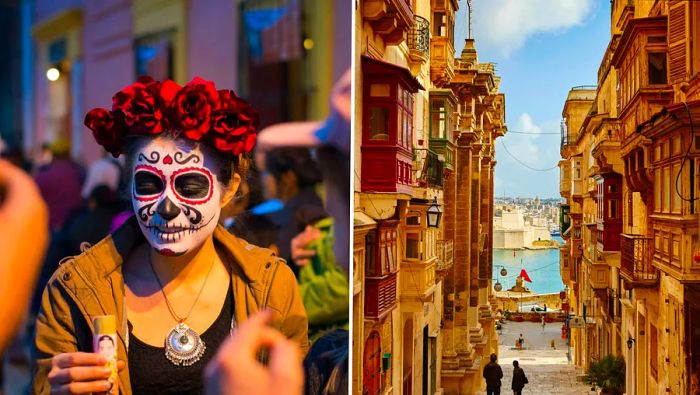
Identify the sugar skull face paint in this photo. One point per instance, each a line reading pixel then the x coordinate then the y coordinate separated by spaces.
pixel 176 195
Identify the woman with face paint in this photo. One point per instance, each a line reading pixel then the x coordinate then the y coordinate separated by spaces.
pixel 178 282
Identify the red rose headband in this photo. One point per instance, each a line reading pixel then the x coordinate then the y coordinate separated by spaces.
pixel 198 111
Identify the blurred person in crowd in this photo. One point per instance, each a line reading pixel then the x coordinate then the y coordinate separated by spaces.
pixel 327 365
pixel 290 175
pixel 247 216
pixel 60 183
pixel 177 281
pixel 104 171
pixel 330 140
pixel 23 239
pixel 236 369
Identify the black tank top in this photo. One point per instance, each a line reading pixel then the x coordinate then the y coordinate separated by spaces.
pixel 152 373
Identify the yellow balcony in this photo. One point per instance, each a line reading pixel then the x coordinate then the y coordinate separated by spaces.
pixel 391 19
pixel 442 61
pixel 417 279
pixel 564 259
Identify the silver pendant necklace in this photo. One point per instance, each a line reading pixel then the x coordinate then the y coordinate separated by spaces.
pixel 183 345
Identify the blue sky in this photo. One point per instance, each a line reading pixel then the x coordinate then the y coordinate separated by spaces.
pixel 541 48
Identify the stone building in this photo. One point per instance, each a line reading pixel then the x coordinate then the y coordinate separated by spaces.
pixel 630 179
pixel 426 127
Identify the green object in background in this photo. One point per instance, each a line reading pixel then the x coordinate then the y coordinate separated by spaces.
pixel 324 286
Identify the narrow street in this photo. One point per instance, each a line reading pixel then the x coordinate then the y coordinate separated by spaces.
pixel 546 368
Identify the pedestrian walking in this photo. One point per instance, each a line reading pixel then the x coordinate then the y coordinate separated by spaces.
pixel 519 379
pixel 521 341
pixel 543 323
pixel 493 375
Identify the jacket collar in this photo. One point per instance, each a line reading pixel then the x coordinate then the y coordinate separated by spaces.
pixel 111 251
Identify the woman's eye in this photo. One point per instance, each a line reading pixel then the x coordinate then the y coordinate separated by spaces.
pixel 147 183
pixel 192 186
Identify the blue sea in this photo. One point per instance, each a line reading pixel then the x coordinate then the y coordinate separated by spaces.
pixel 541 265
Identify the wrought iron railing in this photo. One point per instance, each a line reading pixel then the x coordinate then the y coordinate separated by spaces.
pixel 419 35
pixel 636 257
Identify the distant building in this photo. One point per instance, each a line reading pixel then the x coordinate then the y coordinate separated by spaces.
pixel 512 231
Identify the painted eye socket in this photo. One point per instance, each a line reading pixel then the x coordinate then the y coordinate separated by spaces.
pixel 192 185
pixel 147 183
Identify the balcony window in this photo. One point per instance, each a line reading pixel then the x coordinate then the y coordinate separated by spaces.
pixel 441 118
pixel 656 66
pixel 412 245
pixel 381 250
pixel 379 124
pixel 439 24
pixel 608 216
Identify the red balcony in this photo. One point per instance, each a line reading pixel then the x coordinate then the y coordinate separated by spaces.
pixel 387 127
pixel 609 211
pixel 380 296
pixel 635 261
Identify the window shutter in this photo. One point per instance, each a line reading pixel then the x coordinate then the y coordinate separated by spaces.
pixel 677 42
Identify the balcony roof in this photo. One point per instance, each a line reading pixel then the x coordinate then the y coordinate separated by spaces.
pixel 635 27
pixel 376 66
pixel 671 116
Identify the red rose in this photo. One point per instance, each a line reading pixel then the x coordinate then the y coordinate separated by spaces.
pixel 138 105
pixel 106 129
pixel 192 108
pixel 234 124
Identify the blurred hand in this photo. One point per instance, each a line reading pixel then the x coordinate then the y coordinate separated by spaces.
pixel 236 370
pixel 23 239
pixel 80 373
pixel 300 254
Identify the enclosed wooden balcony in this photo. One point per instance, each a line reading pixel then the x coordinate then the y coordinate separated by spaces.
pixel 442 60
pixel 417 279
pixel 391 19
pixel 636 261
pixel 564 262
pixel 380 296
pixel 564 178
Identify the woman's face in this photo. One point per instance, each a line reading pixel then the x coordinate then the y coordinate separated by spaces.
pixel 176 195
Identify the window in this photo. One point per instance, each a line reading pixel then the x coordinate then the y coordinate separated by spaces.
pixel 370 253
pixel 154 56
pixel 666 198
pixel 676 203
pixel 654 351
pixel 656 63
pixel 412 246
pixel 379 123
pixel 612 209
pixel 372 366
pixel 438 118
pixel 439 24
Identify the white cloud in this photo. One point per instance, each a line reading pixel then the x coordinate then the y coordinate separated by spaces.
pixel 529 145
pixel 505 25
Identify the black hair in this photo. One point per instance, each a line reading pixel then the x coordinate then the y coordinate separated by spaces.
pixel 105 337
pixel 297 160
pixel 515 363
pixel 494 357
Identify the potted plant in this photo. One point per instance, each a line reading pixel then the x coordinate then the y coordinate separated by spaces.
pixel 607 374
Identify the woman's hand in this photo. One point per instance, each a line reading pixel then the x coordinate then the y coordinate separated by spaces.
pixel 80 373
pixel 236 370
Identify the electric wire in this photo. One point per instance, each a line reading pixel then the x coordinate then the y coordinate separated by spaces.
pixel 523 163
pixel 685 157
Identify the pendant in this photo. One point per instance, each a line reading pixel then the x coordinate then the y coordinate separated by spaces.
pixel 183 346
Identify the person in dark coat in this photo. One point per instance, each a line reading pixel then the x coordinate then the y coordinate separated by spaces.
pixel 493 375
pixel 519 379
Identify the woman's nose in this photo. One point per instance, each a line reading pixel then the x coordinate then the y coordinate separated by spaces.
pixel 167 209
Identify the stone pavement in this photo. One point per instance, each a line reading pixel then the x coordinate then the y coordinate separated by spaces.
pixel 547 369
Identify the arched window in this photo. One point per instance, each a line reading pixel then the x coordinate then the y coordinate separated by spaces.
pixel 372 367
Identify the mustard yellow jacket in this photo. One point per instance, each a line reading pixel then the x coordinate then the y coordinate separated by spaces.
pixel 92 284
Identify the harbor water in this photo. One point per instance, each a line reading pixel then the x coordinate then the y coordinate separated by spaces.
pixel 541 265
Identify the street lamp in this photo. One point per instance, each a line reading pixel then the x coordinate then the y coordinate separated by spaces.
pixel 434 214
pixel 53 74
pixel 498 287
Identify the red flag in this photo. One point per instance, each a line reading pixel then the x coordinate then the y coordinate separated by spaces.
pixel 524 276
